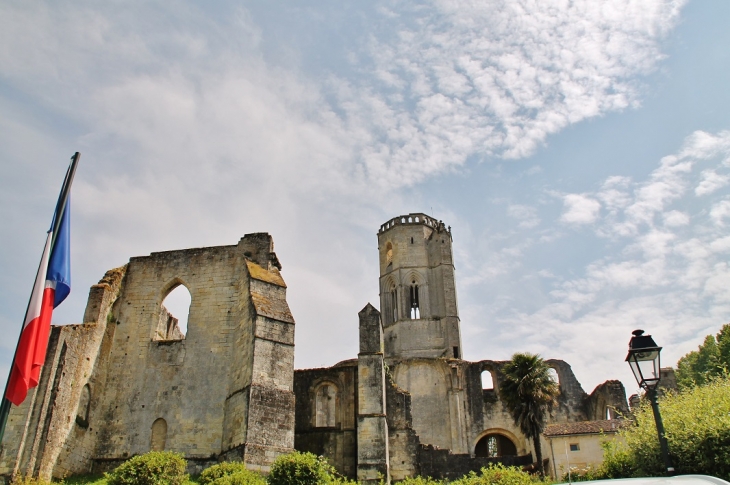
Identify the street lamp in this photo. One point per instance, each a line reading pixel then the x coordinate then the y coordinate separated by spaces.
pixel 643 357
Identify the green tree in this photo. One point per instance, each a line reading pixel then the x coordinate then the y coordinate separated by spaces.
pixel 529 392
pixel 711 359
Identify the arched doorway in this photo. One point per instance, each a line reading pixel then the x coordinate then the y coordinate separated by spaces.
pixel 494 445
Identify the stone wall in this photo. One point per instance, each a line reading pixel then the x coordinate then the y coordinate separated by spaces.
pixel 338 442
pixel 223 391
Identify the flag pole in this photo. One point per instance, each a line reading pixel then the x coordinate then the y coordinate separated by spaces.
pixel 57 216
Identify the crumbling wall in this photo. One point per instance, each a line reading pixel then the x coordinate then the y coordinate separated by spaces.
pixel 339 442
pixel 402 438
pixel 607 401
pixel 55 439
pixel 223 391
pixel 444 464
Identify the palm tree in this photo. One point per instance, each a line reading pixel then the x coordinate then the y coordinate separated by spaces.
pixel 529 392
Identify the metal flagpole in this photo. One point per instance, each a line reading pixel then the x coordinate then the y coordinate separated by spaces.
pixel 58 214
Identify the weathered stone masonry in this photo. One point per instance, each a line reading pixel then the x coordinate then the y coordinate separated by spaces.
pixel 439 416
pixel 127 381
pixel 112 387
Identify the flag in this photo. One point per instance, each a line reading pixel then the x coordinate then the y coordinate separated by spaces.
pixel 52 286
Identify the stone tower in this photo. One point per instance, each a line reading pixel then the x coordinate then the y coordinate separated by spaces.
pixel 417 290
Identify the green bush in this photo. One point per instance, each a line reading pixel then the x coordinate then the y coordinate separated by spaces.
pixel 230 473
pixel 421 481
pixel 497 474
pixel 697 424
pixel 21 480
pixel 300 469
pixel 243 477
pixel 153 468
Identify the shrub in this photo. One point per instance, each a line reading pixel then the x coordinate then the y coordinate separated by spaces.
pixel 697 424
pixel 153 468
pixel 497 474
pixel 420 481
pixel 21 480
pixel 242 477
pixel 230 473
pixel 300 469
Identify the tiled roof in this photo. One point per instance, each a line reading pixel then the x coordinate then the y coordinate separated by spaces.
pixel 586 427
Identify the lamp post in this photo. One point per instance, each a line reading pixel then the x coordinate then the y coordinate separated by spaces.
pixel 644 360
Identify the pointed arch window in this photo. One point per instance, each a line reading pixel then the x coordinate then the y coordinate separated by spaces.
pixel 326 406
pixel 393 295
pixel 174 312
pixel 413 301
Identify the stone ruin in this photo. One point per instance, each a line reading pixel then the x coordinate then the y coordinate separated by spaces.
pixel 127 380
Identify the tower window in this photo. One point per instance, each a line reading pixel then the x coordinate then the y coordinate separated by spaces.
pixel 393 304
pixel 411 240
pixel 415 311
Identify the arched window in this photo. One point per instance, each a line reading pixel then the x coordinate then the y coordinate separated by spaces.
pixel 393 295
pixel 82 413
pixel 173 323
pixel 415 311
pixel 325 406
pixel 388 254
pixel 487 381
pixel 495 445
pixel 554 375
pixel 158 438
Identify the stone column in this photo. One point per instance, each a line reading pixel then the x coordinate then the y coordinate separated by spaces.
pixel 372 428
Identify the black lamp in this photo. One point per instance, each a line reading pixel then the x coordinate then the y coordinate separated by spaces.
pixel 643 358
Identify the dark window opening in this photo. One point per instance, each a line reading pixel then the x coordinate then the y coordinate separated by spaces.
pixel 574 447
pixel 411 240
pixel 456 352
pixel 82 413
pixel 495 445
pixel 414 305
pixel 393 305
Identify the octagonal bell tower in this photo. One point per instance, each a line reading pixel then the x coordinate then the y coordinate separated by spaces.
pixel 417 289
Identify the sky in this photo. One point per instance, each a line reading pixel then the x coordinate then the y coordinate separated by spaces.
pixel 579 150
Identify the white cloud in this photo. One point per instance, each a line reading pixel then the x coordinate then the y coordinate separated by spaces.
pixel 496 78
pixel 526 215
pixel 192 136
pixel 580 209
pixel 675 218
pixel 719 212
pixel 664 268
pixel 711 181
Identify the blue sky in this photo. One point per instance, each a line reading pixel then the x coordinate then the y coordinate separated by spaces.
pixel 580 151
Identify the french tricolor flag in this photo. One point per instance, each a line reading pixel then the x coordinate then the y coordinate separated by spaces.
pixel 52 286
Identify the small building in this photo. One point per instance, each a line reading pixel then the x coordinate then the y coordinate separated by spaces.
pixel 577 446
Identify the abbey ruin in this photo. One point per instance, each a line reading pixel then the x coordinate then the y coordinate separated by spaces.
pixel 127 381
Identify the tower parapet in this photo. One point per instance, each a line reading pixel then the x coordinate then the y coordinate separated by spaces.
pixel 417 218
